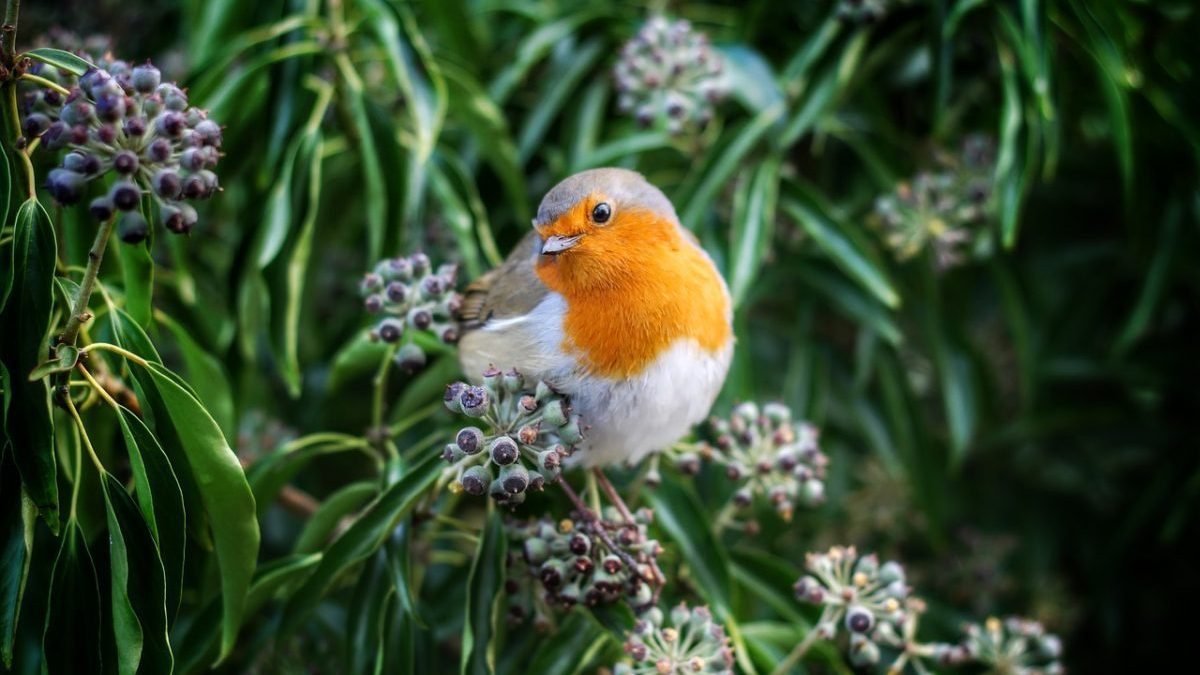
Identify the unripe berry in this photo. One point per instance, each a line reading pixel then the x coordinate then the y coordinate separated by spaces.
pixel 133 228
pixel 110 107
pixel 410 358
pixel 145 78
pixel 555 413
pixel 135 126
pixel 159 150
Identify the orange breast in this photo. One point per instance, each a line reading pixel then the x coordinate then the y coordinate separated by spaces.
pixel 632 293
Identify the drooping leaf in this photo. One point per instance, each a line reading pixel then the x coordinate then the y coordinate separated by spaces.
pixel 226 496
pixel 205 374
pixel 71 637
pixel 17 520
pixel 29 430
pixel 160 500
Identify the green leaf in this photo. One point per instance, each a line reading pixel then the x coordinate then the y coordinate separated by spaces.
pixel 833 239
pixel 575 645
pixel 268 475
pixel 29 431
pixel 1008 175
pixel 138 586
pixel 65 358
pixel 130 336
pixel 6 251
pixel 60 59
pixel 563 78
pixel 206 375
pixel 224 491
pixel 368 602
pixel 534 47
pixel 362 538
pixel 199 640
pixel 341 504
pixel 399 561
pixel 160 499
pixel 17 521
pixel 485 586
pixel 71 637
pixel 752 81
pixel 297 266
pixel 723 163
pixel 753 226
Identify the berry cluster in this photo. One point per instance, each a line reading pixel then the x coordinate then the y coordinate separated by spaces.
pixel 873 602
pixel 1014 646
pixel 408 293
pixel 946 210
pixel 530 430
pixel 669 74
pixel 684 641
pixel 858 592
pixel 579 561
pixel 772 457
pixel 123 121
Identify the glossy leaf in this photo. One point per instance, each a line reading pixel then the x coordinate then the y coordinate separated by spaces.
pixel 334 509
pixel 17 521
pixel 753 227
pixel 24 344
pixel 224 491
pixel 60 59
pixel 71 638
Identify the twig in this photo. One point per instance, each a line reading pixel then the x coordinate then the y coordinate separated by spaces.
pixel 79 311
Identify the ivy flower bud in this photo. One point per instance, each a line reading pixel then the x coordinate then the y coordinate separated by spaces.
pixel 145 78
pixel 125 162
pixel 474 401
pixel 555 413
pixel 451 397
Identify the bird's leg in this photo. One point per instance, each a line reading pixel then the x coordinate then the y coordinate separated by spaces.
pixel 659 579
pixel 596 526
pixel 613 497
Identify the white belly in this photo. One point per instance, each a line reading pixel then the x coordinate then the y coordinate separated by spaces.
pixel 625 419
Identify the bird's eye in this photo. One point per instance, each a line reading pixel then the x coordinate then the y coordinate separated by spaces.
pixel 601 212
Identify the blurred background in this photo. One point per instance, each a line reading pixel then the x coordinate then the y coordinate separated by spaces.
pixel 962 236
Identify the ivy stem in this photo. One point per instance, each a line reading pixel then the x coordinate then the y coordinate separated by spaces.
pixel 104 346
pixel 380 384
pixel 8 32
pixel 79 312
pixel 803 646
pixel 87 441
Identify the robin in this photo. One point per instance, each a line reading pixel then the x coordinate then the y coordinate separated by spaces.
pixel 614 304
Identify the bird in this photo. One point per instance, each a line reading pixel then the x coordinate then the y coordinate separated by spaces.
pixel 615 305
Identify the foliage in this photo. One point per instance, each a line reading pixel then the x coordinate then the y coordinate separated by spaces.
pixel 961 240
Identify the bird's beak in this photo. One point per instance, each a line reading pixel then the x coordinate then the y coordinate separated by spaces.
pixel 556 244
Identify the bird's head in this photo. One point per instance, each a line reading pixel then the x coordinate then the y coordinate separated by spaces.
pixel 599 227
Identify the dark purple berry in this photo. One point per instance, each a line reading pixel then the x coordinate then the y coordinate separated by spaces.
pixel 470 439
pixel 159 150
pixel 210 132
pixel 125 195
pixel 390 330
pixel 66 186
pixel 101 208
pixel 55 136
pixel 373 304
pixel 192 159
pixel 166 184
pixel 125 162
pixel 193 187
pixel 170 124
pixel 475 480
pixel 110 107
pixel 396 291
pixel 35 125
pixel 504 451
pixel 135 126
